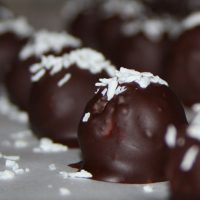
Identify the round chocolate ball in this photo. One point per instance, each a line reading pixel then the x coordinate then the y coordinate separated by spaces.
pixel 81 18
pixel 145 44
pixel 18 80
pixel 123 127
pixel 112 15
pixel 184 163
pixel 184 65
pixel 58 98
pixel 14 33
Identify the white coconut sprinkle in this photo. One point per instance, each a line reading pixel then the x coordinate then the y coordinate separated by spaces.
pixel 18 26
pixel 192 21
pixel 80 174
pixel 64 80
pixel 85 58
pixel 6 175
pixel 12 168
pixel 170 137
pixel 45 41
pixel 154 29
pixel 189 158
pixel 52 167
pixel 11 111
pixel 127 76
pixel 5 13
pixel 86 117
pixel 64 191
pixel 148 189
pixel 124 9
pixel 47 146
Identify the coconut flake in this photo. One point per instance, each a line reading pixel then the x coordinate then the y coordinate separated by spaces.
pixel 47 146
pixel 18 26
pixel 64 191
pixel 80 174
pixel 85 58
pixel 6 175
pixel 148 189
pixel 11 111
pixel 52 167
pixel 113 85
pixel 86 117
pixel 125 9
pixel 189 158
pixel 45 41
pixel 192 21
pixel 170 137
pixel 64 80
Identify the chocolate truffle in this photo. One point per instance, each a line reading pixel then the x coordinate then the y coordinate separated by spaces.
pixel 121 133
pixel 184 65
pixel 14 33
pixel 112 15
pixel 18 80
pixel 145 43
pixel 184 163
pixel 81 19
pixel 62 86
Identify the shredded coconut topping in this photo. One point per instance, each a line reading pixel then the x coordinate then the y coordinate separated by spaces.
pixel 170 137
pixel 86 117
pixel 189 158
pixel 192 21
pixel 80 174
pixel 18 26
pixel 127 76
pixel 47 146
pixel 84 58
pixel 44 41
pixel 123 8
pixel 152 28
pixel 193 129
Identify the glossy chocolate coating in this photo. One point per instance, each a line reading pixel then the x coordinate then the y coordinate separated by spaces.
pixel 84 26
pixel 18 80
pixel 184 67
pixel 143 54
pixel 123 140
pixel 10 45
pixel 55 111
pixel 184 185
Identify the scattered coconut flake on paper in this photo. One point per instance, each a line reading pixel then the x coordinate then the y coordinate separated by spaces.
pixel 46 145
pixel 148 188
pixel 64 191
pixel 80 174
pixel 11 111
pixel 12 167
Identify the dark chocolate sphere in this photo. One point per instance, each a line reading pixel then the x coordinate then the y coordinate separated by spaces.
pixel 55 110
pixel 14 33
pixel 183 167
pixel 18 80
pixel 184 67
pixel 122 135
pixel 143 54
